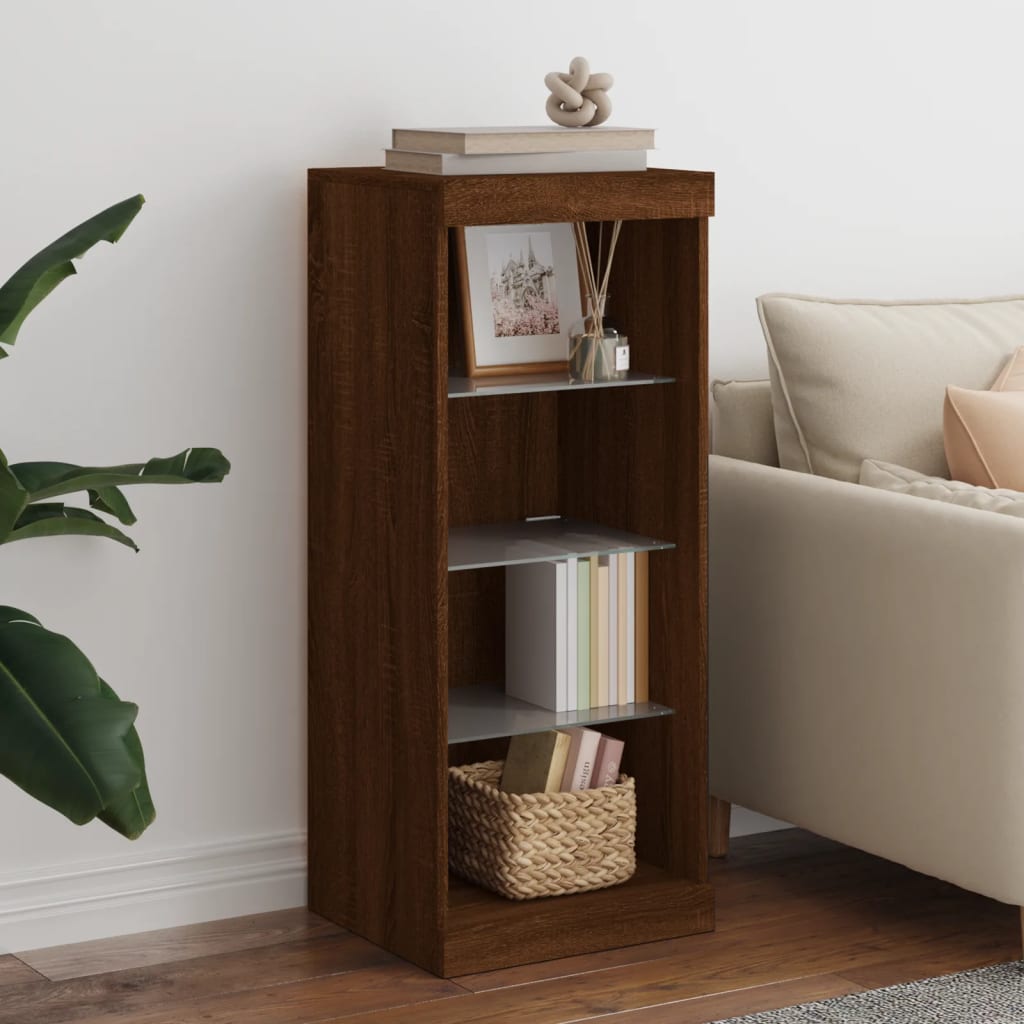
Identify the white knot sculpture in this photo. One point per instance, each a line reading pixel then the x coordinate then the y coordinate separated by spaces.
pixel 578 99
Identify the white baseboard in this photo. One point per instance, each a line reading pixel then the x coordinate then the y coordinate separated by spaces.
pixel 99 899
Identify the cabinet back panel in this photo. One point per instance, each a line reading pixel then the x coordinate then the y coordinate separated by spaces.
pixel 476 627
pixel 502 458
pixel 502 465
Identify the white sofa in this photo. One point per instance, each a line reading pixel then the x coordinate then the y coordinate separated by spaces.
pixel 866 661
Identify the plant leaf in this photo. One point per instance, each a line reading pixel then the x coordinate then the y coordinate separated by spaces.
pixel 114 503
pixel 55 519
pixel 13 498
pixel 134 812
pixel 31 283
pixel 9 614
pixel 62 740
pixel 52 479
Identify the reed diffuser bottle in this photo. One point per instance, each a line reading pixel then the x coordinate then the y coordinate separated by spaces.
pixel 593 346
pixel 597 352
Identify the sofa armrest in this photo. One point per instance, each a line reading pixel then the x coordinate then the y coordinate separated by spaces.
pixel 867 669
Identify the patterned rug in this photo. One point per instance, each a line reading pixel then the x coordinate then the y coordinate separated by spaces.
pixel 990 995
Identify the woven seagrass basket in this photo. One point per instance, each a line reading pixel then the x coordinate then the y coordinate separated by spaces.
pixel 538 844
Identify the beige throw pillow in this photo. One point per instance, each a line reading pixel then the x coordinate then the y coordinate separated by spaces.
pixel 857 380
pixel 984 430
pixel 888 477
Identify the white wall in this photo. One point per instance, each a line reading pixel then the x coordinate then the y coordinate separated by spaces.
pixel 861 149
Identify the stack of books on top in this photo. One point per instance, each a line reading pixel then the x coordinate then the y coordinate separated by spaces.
pixel 560 761
pixel 576 632
pixel 538 150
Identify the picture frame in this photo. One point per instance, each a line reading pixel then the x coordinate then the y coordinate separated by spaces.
pixel 520 294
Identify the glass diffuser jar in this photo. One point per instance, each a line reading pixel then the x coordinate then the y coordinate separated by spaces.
pixel 594 347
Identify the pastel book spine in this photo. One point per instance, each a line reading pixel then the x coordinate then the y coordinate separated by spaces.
pixel 535 637
pixel 613 629
pixel 571 630
pixel 607 762
pixel 602 633
pixel 630 628
pixel 536 762
pixel 581 759
pixel 595 629
pixel 560 625
pixel 642 626
pixel 621 620
pixel 583 634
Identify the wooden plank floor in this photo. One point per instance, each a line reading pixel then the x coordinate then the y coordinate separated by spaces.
pixel 799 918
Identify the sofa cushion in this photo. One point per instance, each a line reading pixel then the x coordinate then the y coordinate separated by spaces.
pixel 862 379
pixel 888 477
pixel 984 430
pixel 1012 377
pixel 742 426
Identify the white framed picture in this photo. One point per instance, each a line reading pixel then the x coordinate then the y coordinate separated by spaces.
pixel 520 289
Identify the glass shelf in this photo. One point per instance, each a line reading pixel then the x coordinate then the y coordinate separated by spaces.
pixel 484 712
pixel 524 383
pixel 551 539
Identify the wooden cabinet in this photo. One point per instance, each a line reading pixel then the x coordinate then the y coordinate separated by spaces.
pixel 395 463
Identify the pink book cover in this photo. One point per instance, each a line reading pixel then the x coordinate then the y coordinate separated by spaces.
pixel 607 762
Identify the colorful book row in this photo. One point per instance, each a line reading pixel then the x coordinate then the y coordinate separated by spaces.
pixel 576 632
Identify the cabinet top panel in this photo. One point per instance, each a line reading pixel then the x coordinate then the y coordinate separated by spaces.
pixel 654 194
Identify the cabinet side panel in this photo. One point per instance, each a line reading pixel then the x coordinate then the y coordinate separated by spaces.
pixel 636 458
pixel 377 564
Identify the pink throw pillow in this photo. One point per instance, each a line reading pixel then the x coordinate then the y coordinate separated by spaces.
pixel 984 430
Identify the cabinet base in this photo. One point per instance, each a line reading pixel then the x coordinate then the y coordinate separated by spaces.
pixel 486 932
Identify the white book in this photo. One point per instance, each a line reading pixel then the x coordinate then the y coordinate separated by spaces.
pixel 548 138
pixel 536 616
pixel 631 628
pixel 613 629
pixel 571 631
pixel 588 162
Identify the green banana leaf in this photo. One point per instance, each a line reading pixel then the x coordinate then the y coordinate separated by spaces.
pixel 52 479
pixel 13 499
pixel 30 284
pixel 134 812
pixel 114 503
pixel 63 736
pixel 55 519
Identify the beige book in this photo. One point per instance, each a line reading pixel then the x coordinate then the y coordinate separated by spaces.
pixel 595 633
pixel 530 139
pixel 536 762
pixel 603 697
pixel 621 648
pixel 590 161
pixel 643 594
